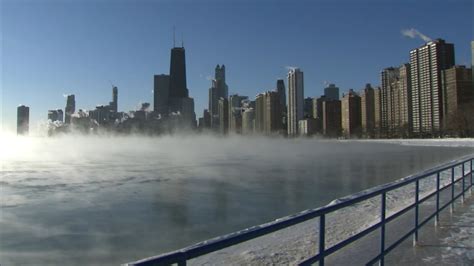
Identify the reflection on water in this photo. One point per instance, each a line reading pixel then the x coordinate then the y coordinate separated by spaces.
pixel 112 200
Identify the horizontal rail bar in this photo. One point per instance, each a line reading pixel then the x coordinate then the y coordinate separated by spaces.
pixel 218 243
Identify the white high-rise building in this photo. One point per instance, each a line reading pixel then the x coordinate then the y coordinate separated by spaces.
pixel 427 63
pixel 295 100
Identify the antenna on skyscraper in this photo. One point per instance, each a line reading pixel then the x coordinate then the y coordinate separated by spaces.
pixel 182 40
pixel 174 37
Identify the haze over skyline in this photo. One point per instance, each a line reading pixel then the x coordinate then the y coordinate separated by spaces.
pixel 51 48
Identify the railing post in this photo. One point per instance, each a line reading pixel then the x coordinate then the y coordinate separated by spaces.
pixel 382 230
pixel 182 259
pixel 472 175
pixel 437 199
pixel 452 189
pixel 417 195
pixel 322 241
pixel 463 183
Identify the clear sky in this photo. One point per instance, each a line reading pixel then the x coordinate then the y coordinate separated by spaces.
pixel 50 47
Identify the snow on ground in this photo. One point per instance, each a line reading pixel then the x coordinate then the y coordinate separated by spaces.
pixel 467 142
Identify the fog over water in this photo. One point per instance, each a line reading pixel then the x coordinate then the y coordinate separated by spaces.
pixel 109 200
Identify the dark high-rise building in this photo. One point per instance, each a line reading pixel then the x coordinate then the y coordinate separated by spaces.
pixel 260 113
pixel 331 118
pixel 350 114
pixel 378 111
pixel 23 120
pixel 114 103
pixel 427 64
pixel 219 89
pixel 170 92
pixel 70 108
pixel 223 115
pixel 206 119
pixel 457 83
pixel 282 94
pixel 388 100
pixel 221 85
pixel 331 92
pixel 472 62
pixel 368 110
pixel 308 107
pixel 178 87
pixel 161 86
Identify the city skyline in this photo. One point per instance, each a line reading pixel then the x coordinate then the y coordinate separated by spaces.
pixel 14 87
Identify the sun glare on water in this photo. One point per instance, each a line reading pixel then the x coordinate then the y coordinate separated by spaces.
pixel 14 147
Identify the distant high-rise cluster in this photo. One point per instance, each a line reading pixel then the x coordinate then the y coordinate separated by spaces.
pixel 429 96
pixel 173 109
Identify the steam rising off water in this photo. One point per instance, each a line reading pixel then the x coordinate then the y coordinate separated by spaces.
pixel 110 200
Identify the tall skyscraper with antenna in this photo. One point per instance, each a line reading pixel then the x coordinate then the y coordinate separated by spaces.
pixel 178 87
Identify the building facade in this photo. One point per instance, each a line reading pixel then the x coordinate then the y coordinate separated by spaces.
pixel 331 118
pixel 70 108
pixel 295 100
pixel 351 114
pixel 23 120
pixel 331 92
pixel 427 64
pixel 367 101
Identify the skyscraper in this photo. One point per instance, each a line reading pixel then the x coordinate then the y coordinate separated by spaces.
pixel 260 113
pixel 272 112
pixel 235 113
pixel 331 92
pixel 221 85
pixel 219 89
pixel 114 103
pixel 282 94
pixel 350 114
pixel 457 83
pixel 368 110
pixel 378 111
pixel 223 115
pixel 161 85
pixel 248 118
pixel 404 105
pixel 331 118
pixel 308 107
pixel 170 92
pixel 178 87
pixel 70 108
pixel 427 63
pixel 389 76
pixel 472 62
pixel 295 100
pixel 23 120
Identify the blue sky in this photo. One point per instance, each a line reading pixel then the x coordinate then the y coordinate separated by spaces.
pixel 51 48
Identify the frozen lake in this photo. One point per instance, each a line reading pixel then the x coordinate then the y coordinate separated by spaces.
pixel 110 200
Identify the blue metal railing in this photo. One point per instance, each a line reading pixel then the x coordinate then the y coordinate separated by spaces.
pixel 180 257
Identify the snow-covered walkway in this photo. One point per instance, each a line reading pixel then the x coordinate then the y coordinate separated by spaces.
pixel 449 243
